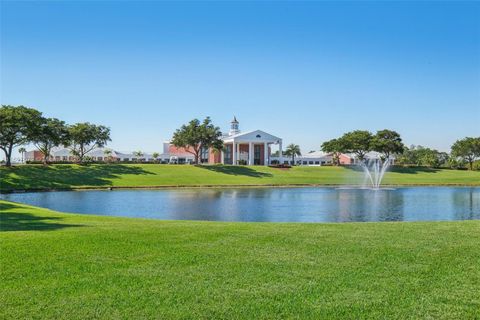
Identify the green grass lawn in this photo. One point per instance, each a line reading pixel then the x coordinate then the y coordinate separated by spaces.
pixel 69 266
pixel 150 175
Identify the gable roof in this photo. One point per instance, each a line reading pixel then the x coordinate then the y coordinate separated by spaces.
pixel 253 136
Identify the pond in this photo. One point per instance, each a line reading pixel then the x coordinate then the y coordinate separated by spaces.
pixel 268 204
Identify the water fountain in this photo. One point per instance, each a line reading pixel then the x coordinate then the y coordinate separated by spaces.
pixel 374 170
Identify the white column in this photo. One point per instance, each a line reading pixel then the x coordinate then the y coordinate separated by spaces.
pixel 238 151
pixel 222 157
pixel 265 151
pixel 234 153
pixel 280 152
pixel 250 154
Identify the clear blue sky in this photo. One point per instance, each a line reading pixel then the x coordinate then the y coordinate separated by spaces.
pixel 307 72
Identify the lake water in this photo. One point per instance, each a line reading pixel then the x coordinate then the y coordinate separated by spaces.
pixel 268 204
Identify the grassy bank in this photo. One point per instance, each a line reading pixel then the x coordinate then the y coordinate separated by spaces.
pixel 70 266
pixel 138 175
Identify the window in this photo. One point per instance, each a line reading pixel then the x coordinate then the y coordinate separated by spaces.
pixel 256 155
pixel 317 162
pixel 310 162
pixel 228 154
pixel 258 136
pixel 305 162
pixel 204 155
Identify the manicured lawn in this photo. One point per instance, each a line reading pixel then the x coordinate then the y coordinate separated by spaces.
pixel 56 265
pixel 138 175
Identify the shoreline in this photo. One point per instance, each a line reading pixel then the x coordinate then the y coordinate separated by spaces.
pixel 207 186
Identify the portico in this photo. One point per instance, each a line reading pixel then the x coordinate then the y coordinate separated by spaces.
pixel 250 148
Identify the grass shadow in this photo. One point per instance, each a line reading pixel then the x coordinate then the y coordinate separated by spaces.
pixel 22 220
pixel 413 170
pixel 398 169
pixel 237 171
pixel 63 176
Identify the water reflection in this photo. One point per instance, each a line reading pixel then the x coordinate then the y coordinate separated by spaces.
pixel 269 204
pixel 466 204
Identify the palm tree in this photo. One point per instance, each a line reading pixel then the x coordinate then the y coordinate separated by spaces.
pixel 22 152
pixel 155 156
pixel 108 154
pixel 292 151
pixel 138 154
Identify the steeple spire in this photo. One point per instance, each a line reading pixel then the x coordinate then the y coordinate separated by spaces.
pixel 234 126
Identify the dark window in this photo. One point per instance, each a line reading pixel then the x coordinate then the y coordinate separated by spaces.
pixel 259 136
pixel 228 154
pixel 204 155
pixel 317 162
pixel 256 155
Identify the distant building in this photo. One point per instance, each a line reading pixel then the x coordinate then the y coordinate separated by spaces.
pixel 249 148
pixel 98 154
pixel 320 158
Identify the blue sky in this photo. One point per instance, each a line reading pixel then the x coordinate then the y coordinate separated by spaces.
pixel 305 71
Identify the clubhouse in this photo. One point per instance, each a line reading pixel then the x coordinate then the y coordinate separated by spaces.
pixel 241 148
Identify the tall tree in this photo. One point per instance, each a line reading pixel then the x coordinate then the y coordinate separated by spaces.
pixel 292 151
pixel 18 126
pixel 196 135
pixel 155 156
pixel 467 149
pixel 84 137
pixel 358 142
pixel 387 142
pixel 335 147
pixel 22 151
pixel 51 133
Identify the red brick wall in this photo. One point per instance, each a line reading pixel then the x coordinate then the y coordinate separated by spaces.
pixel 243 148
pixel 174 150
pixel 214 157
pixel 344 159
pixel 37 155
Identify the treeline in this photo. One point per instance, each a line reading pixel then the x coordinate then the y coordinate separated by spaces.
pixel 20 125
pixel 389 143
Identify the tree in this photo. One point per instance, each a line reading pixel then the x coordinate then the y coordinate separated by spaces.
pixel 22 151
pixel 108 154
pixel 17 127
pixel 84 137
pixel 335 147
pixel 138 154
pixel 387 142
pixel 358 142
pixel 51 133
pixel 196 135
pixel 155 156
pixel 468 149
pixel 421 156
pixel 292 151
